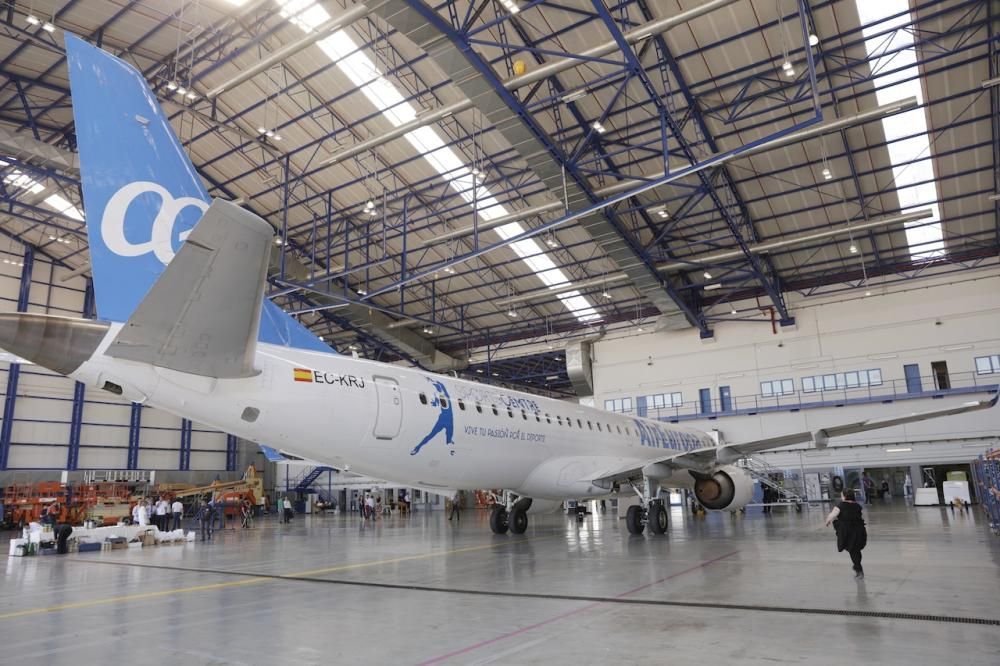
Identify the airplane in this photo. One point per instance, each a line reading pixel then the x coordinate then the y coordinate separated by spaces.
pixel 183 325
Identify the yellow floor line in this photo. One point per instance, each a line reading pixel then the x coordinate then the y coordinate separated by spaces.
pixel 251 581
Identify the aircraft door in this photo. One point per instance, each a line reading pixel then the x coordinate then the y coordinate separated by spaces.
pixel 390 408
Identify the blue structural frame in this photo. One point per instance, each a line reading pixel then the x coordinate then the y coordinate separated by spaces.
pixel 655 112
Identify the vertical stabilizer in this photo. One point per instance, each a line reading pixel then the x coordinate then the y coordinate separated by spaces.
pixel 142 195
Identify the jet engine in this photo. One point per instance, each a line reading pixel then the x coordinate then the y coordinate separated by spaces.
pixel 728 488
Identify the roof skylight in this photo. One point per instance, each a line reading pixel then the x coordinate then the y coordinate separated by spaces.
pixel 912 163
pixel 383 94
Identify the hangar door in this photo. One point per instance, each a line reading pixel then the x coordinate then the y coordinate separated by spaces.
pixel 390 408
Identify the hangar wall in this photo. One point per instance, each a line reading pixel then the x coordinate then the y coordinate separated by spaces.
pixel 53 423
pixel 916 323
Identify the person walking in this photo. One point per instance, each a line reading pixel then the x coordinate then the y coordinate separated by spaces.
pixel 286 506
pixel 456 508
pixel 369 506
pixel 869 486
pixel 177 508
pixel 205 518
pixel 849 523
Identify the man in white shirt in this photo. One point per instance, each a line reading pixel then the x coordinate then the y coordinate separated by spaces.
pixel 143 518
pixel 178 511
pixel 135 513
pixel 161 514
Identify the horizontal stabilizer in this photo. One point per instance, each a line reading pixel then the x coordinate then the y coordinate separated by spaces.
pixel 202 314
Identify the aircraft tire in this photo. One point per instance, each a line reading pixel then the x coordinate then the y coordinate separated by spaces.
pixel 633 520
pixel 657 518
pixel 518 520
pixel 498 520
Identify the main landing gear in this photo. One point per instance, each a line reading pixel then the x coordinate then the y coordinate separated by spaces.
pixel 650 511
pixel 514 518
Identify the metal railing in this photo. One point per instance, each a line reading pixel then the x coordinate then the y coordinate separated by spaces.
pixel 893 389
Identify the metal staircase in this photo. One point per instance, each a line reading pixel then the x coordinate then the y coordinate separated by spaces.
pixel 303 484
pixel 790 489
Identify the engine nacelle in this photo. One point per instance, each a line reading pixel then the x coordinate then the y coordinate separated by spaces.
pixel 728 488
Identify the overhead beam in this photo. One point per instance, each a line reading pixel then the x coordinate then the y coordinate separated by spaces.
pixel 716 257
pixel 322 31
pixel 542 72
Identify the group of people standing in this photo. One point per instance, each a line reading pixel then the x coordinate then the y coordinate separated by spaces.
pixel 164 515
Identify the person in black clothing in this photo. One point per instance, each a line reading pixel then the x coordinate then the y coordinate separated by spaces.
pixel 849 523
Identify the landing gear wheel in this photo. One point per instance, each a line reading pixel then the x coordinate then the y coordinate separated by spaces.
pixel 633 520
pixel 498 520
pixel 518 520
pixel 798 508
pixel 657 518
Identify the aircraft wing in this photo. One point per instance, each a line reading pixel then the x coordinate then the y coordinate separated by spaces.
pixel 202 314
pixel 706 458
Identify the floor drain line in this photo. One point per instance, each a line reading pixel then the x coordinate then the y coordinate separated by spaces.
pixel 707 605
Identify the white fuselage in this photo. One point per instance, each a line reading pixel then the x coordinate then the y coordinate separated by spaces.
pixel 394 423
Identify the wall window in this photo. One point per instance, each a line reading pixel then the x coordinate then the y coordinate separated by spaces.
pixel 777 387
pixel 618 405
pixel 842 380
pixel 664 400
pixel 987 365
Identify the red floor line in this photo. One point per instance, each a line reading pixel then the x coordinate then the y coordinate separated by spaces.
pixel 563 616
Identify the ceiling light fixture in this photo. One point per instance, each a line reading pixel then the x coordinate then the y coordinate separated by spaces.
pixel 191 95
pixel 181 90
pixel 787 65
pixel 512 313
pixel 853 249
pixel 901 449
pixel 638 330
pixel 733 311
pixel 450 270
pixel 48 27
pixel 598 127
pixel 813 39
pixel 362 292
pixel 827 174
pixel 868 292
pixel 664 214
pixel 551 241
pixel 510 6
pixel 261 130
pixel 707 275
pixel 606 294
pixel 277 137
pixel 32 19
pixel 171 86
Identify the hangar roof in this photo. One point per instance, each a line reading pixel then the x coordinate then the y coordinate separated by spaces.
pixel 455 175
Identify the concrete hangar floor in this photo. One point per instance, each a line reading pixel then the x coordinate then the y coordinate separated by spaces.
pixel 420 590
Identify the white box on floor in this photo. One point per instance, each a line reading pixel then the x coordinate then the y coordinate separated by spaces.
pixel 953 489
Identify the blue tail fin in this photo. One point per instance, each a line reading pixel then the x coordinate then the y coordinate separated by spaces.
pixel 141 193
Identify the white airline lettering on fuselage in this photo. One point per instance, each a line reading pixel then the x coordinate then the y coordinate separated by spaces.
pixel 160 242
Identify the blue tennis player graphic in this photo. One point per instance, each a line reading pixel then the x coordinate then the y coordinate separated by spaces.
pixel 445 420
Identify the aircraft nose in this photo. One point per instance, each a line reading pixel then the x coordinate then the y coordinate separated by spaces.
pixel 60 344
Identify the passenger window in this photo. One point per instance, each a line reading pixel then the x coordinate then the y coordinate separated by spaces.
pixel 495 412
pixel 461 405
pixel 599 427
pixel 479 408
pixel 619 429
pixel 538 417
pixel 559 419
pixel 423 399
pixel 579 424
pixel 510 412
pixel 548 419
pixel 591 427
pixel 524 415
pixel 444 402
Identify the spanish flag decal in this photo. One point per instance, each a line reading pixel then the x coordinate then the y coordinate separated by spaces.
pixel 303 375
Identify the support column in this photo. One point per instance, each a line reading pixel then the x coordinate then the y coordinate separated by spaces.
pixel 134 426
pixel 184 464
pixel 14 372
pixel 79 392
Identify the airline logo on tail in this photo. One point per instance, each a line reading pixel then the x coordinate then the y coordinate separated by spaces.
pixel 161 239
